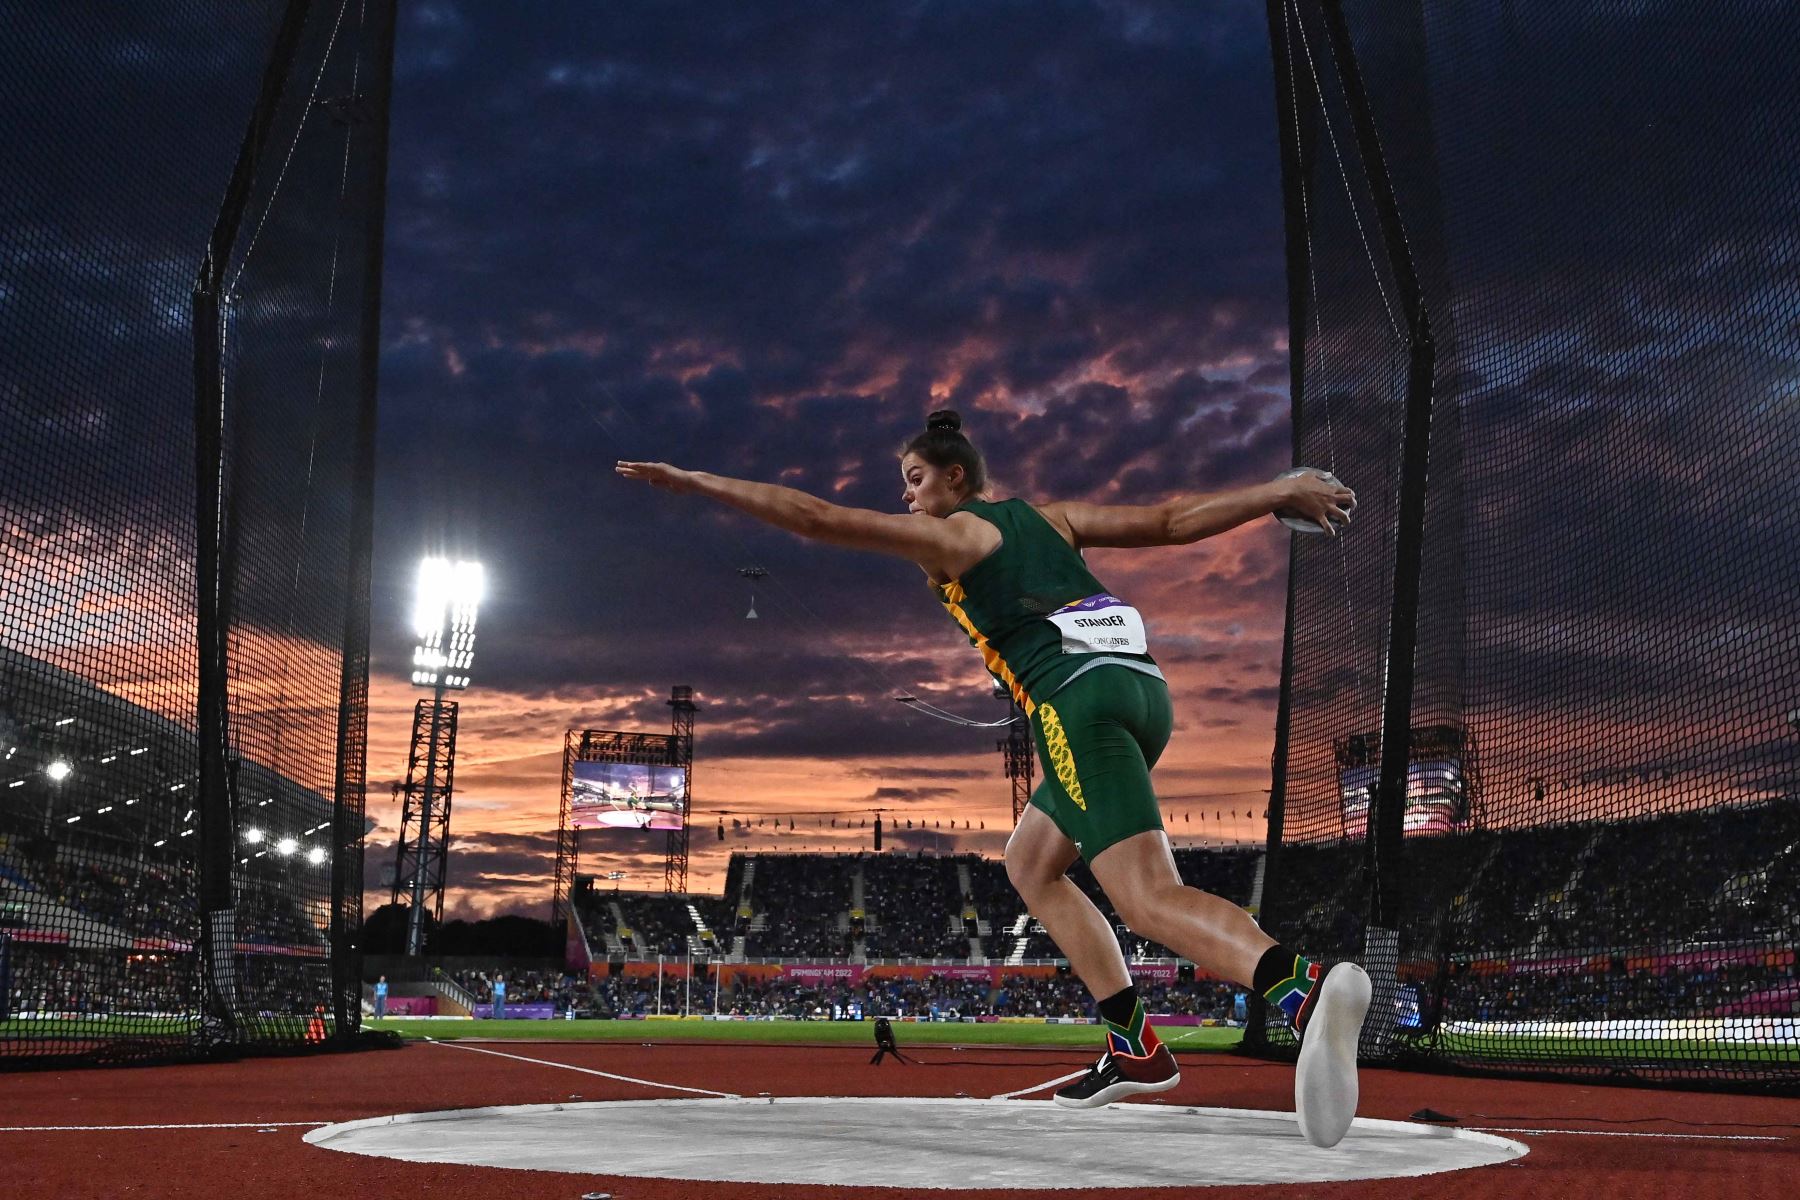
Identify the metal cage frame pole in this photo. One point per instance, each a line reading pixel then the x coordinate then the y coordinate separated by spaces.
pixel 1385 844
pixel 215 532
pixel 353 713
pixel 1294 127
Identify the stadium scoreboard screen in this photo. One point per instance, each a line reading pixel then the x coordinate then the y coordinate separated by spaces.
pixel 620 795
pixel 1437 799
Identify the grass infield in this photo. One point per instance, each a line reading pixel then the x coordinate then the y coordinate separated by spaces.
pixel 1516 1047
pixel 1489 1049
pixel 856 1033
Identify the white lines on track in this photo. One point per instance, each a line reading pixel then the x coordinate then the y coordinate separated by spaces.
pixel 1038 1087
pixel 545 1062
pixel 195 1125
pixel 1692 1137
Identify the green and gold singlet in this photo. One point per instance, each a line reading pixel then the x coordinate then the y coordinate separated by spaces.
pixel 1075 658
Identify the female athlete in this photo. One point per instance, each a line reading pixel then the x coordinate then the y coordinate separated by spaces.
pixel 1075 658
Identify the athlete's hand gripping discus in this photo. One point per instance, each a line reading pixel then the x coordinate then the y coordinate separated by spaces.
pixel 1317 502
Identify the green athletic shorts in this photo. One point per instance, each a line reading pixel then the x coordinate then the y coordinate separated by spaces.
pixel 1097 739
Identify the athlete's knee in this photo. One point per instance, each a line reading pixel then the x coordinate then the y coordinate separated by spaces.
pixel 1028 878
pixel 1151 911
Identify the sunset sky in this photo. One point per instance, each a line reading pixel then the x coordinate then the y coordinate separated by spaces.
pixel 766 240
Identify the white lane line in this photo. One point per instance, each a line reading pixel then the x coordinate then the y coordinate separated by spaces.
pixel 1182 1037
pixel 1693 1137
pixel 1038 1087
pixel 545 1062
pixel 196 1125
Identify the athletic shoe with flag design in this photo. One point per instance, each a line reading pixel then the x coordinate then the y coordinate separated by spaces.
pixel 1325 1085
pixel 1116 1076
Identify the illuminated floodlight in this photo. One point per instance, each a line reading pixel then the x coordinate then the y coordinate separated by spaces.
pixel 286 845
pixel 444 611
pixel 253 835
pixel 59 770
pixel 316 855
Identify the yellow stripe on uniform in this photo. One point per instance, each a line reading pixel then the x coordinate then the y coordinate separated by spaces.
pixel 952 594
pixel 1062 759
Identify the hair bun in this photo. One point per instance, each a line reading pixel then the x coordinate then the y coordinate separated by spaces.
pixel 944 419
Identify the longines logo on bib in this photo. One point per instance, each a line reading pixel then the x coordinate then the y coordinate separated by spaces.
pixel 1101 624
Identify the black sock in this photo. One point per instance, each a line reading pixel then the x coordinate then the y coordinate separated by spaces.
pixel 1286 981
pixel 1276 964
pixel 1120 1007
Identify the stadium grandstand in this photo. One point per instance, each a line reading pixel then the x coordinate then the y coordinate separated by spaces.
pixel 1518 928
pixel 98 842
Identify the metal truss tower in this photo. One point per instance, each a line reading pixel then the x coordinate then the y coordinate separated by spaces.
pixel 1020 757
pixel 422 851
pixel 681 747
pixel 568 838
pixel 674 749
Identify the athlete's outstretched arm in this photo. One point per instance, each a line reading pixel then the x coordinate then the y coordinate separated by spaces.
pixel 1193 517
pixel 949 546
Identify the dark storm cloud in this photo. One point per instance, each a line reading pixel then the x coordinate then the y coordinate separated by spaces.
pixel 915 772
pixel 755 240
pixel 502 858
pixel 912 793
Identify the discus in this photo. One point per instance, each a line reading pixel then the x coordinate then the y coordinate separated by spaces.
pixel 1294 520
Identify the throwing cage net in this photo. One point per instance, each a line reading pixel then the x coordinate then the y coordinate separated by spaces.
pixel 1536 754
pixel 190 242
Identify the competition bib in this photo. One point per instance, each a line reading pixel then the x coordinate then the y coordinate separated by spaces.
pixel 1101 624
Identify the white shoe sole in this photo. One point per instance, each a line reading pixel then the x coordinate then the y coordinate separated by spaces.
pixel 1118 1091
pixel 1325 1086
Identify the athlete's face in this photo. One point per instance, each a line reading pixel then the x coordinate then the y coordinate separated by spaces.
pixel 933 491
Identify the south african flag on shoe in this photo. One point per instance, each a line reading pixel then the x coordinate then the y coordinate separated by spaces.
pixel 1293 995
pixel 1135 1061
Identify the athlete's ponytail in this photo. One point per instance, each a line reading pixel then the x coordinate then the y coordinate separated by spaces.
pixel 943 446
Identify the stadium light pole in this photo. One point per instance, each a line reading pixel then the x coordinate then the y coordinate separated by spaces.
pixel 444 624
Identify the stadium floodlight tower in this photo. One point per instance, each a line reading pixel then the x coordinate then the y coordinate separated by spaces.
pixel 444 624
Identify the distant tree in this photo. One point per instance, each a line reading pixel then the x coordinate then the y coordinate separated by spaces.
pixel 498 937
pixel 384 930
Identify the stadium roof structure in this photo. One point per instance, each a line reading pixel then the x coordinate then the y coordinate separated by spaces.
pixel 132 770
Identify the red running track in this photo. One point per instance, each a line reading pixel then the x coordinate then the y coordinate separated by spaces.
pixel 1683 1145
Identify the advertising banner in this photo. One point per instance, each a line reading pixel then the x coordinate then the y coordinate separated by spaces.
pixel 823 972
pixel 535 1011
pixel 412 1006
pixel 922 971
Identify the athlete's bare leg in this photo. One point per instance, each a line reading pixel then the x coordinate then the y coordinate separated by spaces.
pixel 1139 877
pixel 1038 857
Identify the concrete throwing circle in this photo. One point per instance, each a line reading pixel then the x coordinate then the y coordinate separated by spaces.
pixel 913 1143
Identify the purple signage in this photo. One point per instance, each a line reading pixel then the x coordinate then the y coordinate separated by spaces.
pixel 412 1006
pixel 536 1011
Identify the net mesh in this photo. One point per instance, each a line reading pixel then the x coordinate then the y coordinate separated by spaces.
pixel 124 128
pixel 1598 869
